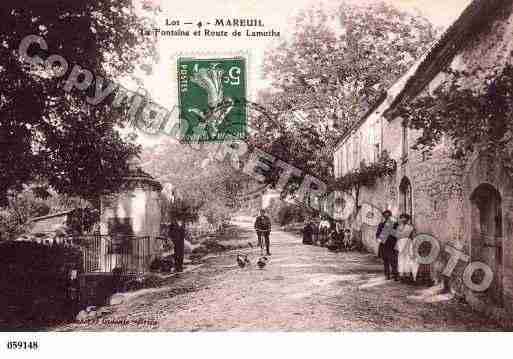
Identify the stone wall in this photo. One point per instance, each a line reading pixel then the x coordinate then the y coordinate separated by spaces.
pixel 142 205
pixel 443 190
pixel 437 201
pixel 441 206
pixel 449 186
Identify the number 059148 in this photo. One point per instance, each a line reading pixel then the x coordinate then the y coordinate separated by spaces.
pixel 22 345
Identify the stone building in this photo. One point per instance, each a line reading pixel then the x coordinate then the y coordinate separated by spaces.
pixel 454 202
pixel 130 223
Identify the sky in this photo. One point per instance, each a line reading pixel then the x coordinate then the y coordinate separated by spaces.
pixel 441 13
pixel 276 14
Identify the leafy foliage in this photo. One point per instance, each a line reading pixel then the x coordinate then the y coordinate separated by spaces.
pixel 53 135
pixel 13 219
pixel 194 183
pixel 217 213
pixel 471 109
pixel 285 213
pixel 366 175
pixel 332 71
pixel 180 209
pixel 82 220
pixel 290 213
pixel 29 203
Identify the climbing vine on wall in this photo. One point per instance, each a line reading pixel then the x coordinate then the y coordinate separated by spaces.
pixel 365 175
pixel 473 110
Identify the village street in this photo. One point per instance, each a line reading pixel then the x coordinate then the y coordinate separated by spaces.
pixel 301 288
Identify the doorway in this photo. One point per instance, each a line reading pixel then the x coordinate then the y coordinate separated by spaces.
pixel 486 234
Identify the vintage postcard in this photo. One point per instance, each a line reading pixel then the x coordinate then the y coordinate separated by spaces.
pixel 307 166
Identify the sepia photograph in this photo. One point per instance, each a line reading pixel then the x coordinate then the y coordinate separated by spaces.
pixel 320 167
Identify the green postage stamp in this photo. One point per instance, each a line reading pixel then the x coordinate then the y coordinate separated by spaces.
pixel 212 99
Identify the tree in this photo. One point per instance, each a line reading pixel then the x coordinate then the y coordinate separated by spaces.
pixel 34 201
pixel 53 136
pixel 333 70
pixel 195 183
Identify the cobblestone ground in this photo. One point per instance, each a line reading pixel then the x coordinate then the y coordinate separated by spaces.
pixel 301 288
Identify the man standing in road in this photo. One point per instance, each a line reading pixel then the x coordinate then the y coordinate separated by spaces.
pixel 386 236
pixel 263 229
pixel 177 235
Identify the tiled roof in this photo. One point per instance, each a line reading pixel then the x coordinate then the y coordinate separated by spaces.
pixel 138 174
pixel 49 223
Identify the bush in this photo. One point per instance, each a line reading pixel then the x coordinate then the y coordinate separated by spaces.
pixel 289 213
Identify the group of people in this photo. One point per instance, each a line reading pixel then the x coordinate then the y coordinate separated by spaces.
pixel 396 247
pixel 329 235
pixel 395 243
pixel 324 233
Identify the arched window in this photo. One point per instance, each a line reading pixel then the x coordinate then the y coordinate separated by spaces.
pixel 406 200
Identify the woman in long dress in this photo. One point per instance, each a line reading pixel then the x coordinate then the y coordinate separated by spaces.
pixel 324 227
pixel 406 265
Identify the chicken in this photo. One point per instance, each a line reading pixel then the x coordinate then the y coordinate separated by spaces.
pixel 243 260
pixel 246 259
pixel 262 261
pixel 240 261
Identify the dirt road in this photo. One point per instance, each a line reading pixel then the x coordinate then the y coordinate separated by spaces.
pixel 301 288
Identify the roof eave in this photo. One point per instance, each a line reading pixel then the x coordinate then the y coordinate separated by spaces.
pixel 430 64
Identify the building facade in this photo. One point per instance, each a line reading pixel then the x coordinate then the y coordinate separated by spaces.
pixel 466 205
pixel 130 223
